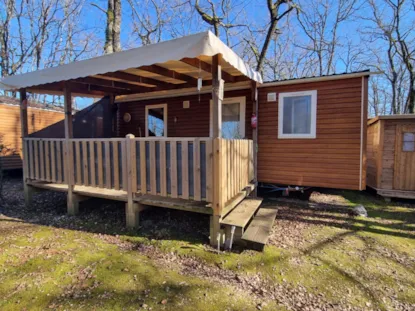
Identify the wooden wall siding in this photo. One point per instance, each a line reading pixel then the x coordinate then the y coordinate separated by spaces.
pixel 388 155
pixel 333 158
pixel 10 131
pixel 373 154
pixel 191 122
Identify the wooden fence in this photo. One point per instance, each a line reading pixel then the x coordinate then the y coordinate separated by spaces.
pixel 174 167
pixel 235 165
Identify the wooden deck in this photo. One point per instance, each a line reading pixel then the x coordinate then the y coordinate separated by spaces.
pixel 201 175
pixel 112 194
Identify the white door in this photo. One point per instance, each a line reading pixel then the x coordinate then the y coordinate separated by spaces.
pixel 233 118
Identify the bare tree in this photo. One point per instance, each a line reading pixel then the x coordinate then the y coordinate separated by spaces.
pixel 277 10
pixel 320 22
pixel 395 54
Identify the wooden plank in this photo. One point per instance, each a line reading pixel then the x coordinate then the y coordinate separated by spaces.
pixel 116 165
pixel 85 162
pixel 196 171
pixel 242 213
pixel 107 165
pixel 163 180
pixel 185 169
pixel 53 161
pixel 59 166
pixel 47 162
pixel 31 156
pixel 143 167
pixel 217 204
pixel 100 167
pixel 259 229
pixel 124 154
pixel 173 169
pixel 175 203
pixel 42 159
pixel 37 173
pixel 92 162
pixel 133 164
pixel 209 170
pixel 153 176
pixel 78 163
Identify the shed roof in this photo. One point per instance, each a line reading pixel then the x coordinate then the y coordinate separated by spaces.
pixel 392 117
pixel 166 65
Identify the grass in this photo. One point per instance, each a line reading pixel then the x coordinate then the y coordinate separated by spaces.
pixel 319 256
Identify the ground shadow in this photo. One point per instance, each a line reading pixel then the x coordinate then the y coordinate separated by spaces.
pixel 103 216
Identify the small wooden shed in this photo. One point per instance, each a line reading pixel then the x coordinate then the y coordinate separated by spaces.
pixel 391 156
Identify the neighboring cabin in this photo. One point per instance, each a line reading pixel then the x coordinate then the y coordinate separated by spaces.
pixel 391 155
pixel 39 117
pixel 322 142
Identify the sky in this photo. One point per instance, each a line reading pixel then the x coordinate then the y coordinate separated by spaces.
pixel 186 22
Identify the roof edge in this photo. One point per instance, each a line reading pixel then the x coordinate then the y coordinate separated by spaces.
pixel 391 117
pixel 318 79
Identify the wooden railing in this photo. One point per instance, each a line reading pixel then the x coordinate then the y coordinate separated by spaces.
pixel 235 166
pixel 175 167
pixel 100 163
pixel 45 159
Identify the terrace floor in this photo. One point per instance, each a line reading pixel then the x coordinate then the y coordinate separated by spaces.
pixel 319 257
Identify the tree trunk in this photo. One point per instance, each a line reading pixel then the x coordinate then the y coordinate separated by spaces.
pixel 113 30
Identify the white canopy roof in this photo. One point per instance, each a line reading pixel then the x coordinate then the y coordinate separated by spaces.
pixel 193 46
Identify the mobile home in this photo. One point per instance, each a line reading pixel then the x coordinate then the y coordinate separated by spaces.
pixel 195 129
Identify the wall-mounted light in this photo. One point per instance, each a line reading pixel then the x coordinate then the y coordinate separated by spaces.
pixel 175 119
pixel 126 117
pixel 186 104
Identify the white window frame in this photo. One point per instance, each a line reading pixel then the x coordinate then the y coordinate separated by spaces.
pixel 313 124
pixel 164 106
pixel 242 109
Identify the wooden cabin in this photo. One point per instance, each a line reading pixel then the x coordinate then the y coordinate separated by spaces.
pixel 39 117
pixel 182 135
pixel 391 156
pixel 329 153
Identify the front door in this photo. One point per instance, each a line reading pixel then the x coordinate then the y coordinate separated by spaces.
pixel 404 177
pixel 233 118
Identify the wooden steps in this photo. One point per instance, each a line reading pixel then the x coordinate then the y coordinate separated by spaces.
pixel 242 213
pixel 257 233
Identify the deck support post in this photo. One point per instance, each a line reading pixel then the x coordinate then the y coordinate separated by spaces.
pixel 131 208
pixel 72 202
pixel 28 191
pixel 254 99
pixel 132 213
pixel 217 98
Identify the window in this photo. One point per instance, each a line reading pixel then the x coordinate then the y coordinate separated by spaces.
pixel 156 120
pixel 408 142
pixel 233 118
pixel 297 114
